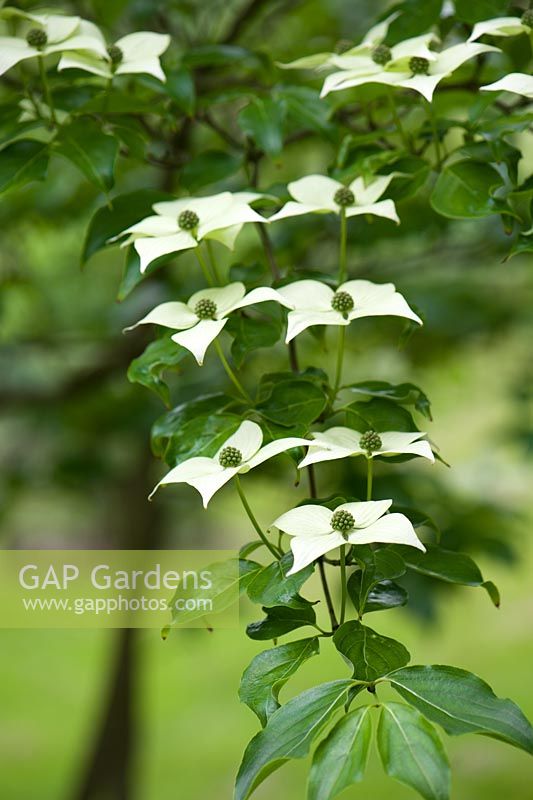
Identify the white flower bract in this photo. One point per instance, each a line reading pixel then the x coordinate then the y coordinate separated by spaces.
pixel 313 534
pixel 140 52
pixel 208 475
pixel 340 442
pixel 516 82
pixel 501 26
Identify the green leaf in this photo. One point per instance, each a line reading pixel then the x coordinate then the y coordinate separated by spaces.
pixel 472 11
pixel 405 394
pixel 123 211
pixel 386 594
pixel 340 759
pixel 371 654
pixel 271 586
pixel 262 121
pixel 289 733
pixel 209 167
pixel 148 368
pixel 379 415
pixel 22 162
pixel 306 110
pixel 180 87
pixel 92 151
pixel 220 55
pixel 412 752
pixel 280 620
pixel 460 702
pixel 464 190
pixel 252 333
pixel 194 428
pixel 377 567
pixel 415 18
pixel 269 671
pixel 292 402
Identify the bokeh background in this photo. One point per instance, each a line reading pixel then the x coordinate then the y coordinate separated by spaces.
pixel 83 714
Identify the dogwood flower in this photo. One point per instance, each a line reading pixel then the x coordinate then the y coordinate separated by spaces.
pixel 318 194
pixel 422 74
pixel 46 34
pixel 503 26
pixel 182 224
pixel 316 530
pixel 516 82
pixel 315 303
pixel 134 53
pixel 240 453
pixel 319 61
pixel 205 314
pixel 342 442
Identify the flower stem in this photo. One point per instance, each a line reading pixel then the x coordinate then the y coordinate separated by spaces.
pixel 369 477
pixel 342 248
pixel 205 268
pixel 436 141
pixel 46 89
pixel 343 583
pixel 230 373
pixel 340 359
pixel 321 568
pixel 398 122
pixel 214 267
pixel 253 520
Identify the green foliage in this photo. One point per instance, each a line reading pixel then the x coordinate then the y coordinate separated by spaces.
pixel 22 162
pixel 280 620
pixel 90 150
pixel 370 654
pixel 147 369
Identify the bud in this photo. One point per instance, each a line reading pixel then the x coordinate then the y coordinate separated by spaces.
pixel 230 457
pixel 342 521
pixel 115 54
pixel 344 197
pixel 36 37
pixel 527 18
pixel 419 65
pixel 343 303
pixel 381 55
pixel 188 220
pixel 370 441
pixel 206 308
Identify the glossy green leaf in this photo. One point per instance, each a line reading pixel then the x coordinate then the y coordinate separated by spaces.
pixel 305 110
pixel 370 654
pixel 159 356
pixel 340 759
pixel 252 333
pixel 405 394
pixel 412 752
pixel 289 733
pixel 22 162
pixel 464 190
pixel 414 18
pixel 380 415
pixel 262 122
pixel 384 595
pixel 209 167
pixel 269 671
pixel 93 152
pixel 462 703
pixel 472 11
pixel 179 86
pixel 272 587
pixel 293 402
pixel 280 620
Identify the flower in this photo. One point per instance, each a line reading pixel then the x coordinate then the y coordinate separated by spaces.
pixel 316 529
pixel 205 314
pixel 503 26
pixel 137 52
pixel 318 194
pixel 344 442
pixel 517 82
pixel 381 61
pixel 45 34
pixel 423 74
pixel 182 224
pixel 239 454
pixel 315 303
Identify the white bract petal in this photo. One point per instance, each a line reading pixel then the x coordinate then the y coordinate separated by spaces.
pixel 501 26
pixel 315 190
pixel 377 300
pixel 299 321
pixel 262 294
pixel 198 338
pixel 308 294
pixel 247 439
pixel 307 520
pixel 224 297
pixel 151 248
pixel 385 208
pixel 275 448
pixel 306 549
pixel 367 193
pixel 390 529
pixel 366 513
pixel 516 82
pixel 206 475
pixel 171 315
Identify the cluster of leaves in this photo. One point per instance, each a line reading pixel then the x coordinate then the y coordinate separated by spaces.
pixel 467 166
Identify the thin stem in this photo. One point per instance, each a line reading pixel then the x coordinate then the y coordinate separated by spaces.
pixel 253 520
pixel 107 95
pixel 369 477
pixel 214 267
pixel 321 568
pixel 230 373
pixel 269 250
pixel 342 248
pixel 398 122
pixel 343 583
pixel 47 92
pixel 340 359
pixel 205 268
pixel 436 141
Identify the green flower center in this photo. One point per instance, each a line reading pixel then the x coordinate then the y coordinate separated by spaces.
pixel 344 197
pixel 343 522
pixel 188 220
pixel 419 65
pixel 115 54
pixel 343 303
pixel 230 457
pixel 527 18
pixel 381 55
pixel 370 441
pixel 205 309
pixel 36 37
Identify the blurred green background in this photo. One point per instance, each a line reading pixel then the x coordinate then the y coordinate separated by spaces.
pixel 76 467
